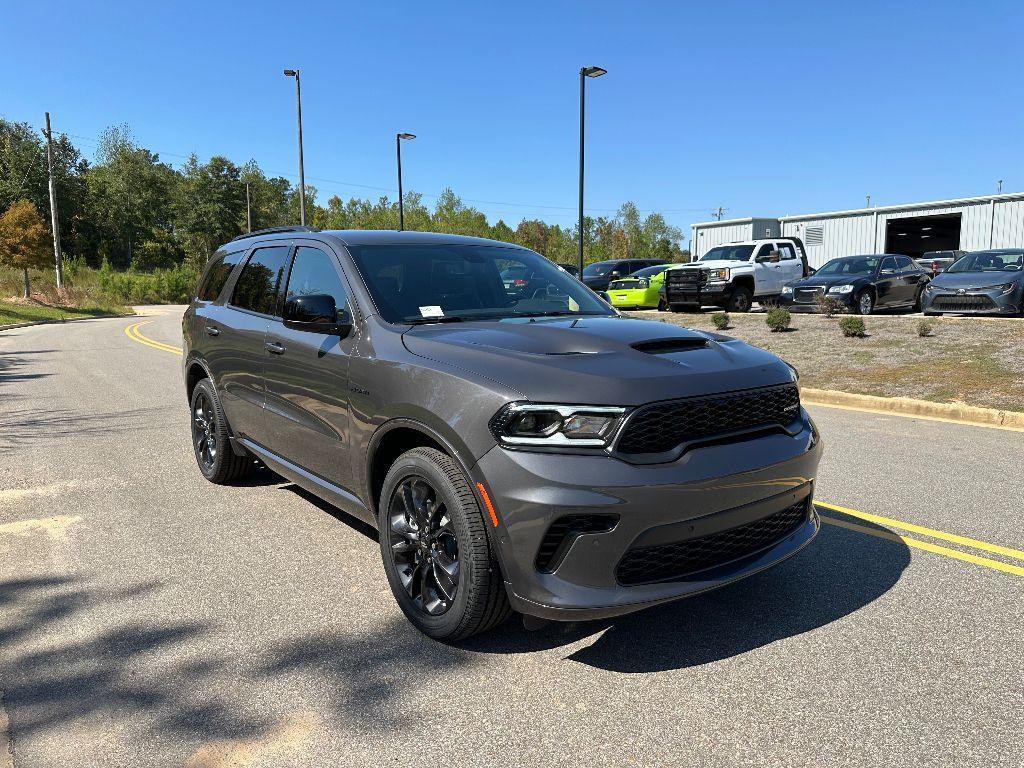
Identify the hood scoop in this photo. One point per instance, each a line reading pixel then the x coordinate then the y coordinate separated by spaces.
pixel 670 346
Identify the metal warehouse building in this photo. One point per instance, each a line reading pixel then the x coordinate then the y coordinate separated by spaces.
pixel 971 223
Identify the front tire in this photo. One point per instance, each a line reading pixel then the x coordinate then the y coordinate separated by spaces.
pixel 740 299
pixel 435 549
pixel 865 303
pixel 216 458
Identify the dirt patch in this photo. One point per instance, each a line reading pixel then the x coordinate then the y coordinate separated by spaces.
pixel 979 361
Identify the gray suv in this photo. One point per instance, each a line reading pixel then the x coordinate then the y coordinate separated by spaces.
pixel 518 444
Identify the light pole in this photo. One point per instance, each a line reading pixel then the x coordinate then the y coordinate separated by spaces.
pixel 302 176
pixel 399 137
pixel 585 72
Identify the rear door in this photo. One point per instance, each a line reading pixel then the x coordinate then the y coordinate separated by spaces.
pixel 237 332
pixel 887 283
pixel 910 278
pixel 306 375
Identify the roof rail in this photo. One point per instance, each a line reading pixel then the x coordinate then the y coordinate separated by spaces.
pixel 272 230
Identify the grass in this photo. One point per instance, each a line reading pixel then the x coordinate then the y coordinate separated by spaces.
pixel 977 361
pixel 12 313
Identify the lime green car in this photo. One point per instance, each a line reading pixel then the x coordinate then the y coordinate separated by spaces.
pixel 639 290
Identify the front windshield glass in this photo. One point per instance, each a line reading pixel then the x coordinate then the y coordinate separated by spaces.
pixel 444 283
pixel 851 265
pixel 599 268
pixel 728 253
pixel 987 261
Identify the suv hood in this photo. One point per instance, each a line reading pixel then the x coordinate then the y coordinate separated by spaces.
pixel 598 360
pixel 975 279
pixel 715 264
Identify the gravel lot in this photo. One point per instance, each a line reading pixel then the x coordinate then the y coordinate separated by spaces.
pixel 966 359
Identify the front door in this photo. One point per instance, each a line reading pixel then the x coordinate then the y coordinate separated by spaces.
pixel 767 274
pixel 887 286
pixel 306 376
pixel 791 267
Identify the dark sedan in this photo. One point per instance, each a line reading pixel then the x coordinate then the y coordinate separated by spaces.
pixel 862 284
pixel 983 282
pixel 596 276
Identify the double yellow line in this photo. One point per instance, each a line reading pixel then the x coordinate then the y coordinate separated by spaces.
pixel 133 333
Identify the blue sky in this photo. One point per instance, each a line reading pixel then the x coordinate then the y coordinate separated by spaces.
pixel 765 109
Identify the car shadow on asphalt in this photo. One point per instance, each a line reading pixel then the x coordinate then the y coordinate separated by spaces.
pixel 841 572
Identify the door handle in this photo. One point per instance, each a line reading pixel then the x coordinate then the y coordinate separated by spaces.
pixel 274 347
pixel 212 330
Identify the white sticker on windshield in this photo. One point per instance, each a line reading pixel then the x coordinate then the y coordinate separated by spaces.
pixel 573 306
pixel 431 312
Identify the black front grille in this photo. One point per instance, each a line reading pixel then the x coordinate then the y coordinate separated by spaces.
pixel 687 277
pixel 563 532
pixel 963 303
pixel 660 427
pixel 671 562
pixel 807 295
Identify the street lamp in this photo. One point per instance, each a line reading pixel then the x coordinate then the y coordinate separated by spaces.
pixel 401 205
pixel 302 177
pixel 585 72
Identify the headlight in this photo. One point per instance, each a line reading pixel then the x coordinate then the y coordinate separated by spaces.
pixel 787 290
pixel 585 426
pixel 1004 288
pixel 718 274
pixel 841 289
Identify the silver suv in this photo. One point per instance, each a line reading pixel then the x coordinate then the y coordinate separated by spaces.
pixel 517 443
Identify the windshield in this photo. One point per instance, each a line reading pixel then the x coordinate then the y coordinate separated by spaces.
pixel 650 271
pixel 599 268
pixel 987 261
pixel 445 283
pixel 851 265
pixel 728 253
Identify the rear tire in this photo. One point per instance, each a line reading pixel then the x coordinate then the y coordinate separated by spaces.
pixel 740 299
pixel 435 548
pixel 214 453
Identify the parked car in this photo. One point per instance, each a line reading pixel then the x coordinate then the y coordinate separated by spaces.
pixel 983 282
pixel 732 276
pixel 572 269
pixel 598 276
pixel 640 290
pixel 937 261
pixel 515 452
pixel 862 284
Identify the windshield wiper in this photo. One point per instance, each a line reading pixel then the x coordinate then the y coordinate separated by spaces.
pixel 559 313
pixel 430 320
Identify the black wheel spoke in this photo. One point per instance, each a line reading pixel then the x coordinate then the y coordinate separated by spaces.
pixel 423 545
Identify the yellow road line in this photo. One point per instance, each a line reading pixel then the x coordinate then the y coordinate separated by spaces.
pixel 133 333
pixel 926 546
pixel 950 537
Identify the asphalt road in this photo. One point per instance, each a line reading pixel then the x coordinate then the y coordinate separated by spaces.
pixel 148 618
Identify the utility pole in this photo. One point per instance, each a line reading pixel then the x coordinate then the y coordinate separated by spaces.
pixel 54 216
pixel 718 213
pixel 302 176
pixel 248 209
pixel 585 72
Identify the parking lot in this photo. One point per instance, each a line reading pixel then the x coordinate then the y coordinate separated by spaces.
pixel 150 618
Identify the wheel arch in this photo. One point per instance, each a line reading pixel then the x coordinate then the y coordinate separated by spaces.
pixel 195 371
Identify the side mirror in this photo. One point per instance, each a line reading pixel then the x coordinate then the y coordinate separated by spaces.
pixel 316 313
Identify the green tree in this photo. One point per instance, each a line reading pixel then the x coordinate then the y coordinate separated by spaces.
pixel 24 240
pixel 210 206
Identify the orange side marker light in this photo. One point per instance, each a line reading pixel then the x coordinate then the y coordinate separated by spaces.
pixel 487 504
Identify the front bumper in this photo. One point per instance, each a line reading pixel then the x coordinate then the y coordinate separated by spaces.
pixel 687 500
pixel 706 294
pixel 973 302
pixel 809 301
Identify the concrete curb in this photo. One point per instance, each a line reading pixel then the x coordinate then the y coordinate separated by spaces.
pixel 905 406
pixel 12 326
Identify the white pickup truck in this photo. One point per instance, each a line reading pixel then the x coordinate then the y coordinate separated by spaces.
pixel 732 276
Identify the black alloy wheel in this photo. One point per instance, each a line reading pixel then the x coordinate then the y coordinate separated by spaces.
pixel 424 546
pixel 218 460
pixel 204 432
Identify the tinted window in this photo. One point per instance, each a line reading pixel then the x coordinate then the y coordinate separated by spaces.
pixel 728 253
pixel 907 265
pixel 989 261
pixel 313 272
pixel 217 274
pixel 260 281
pixel 435 283
pixel 888 263
pixel 850 265
pixel 650 271
pixel 765 250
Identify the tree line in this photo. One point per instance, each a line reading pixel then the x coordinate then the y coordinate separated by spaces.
pixel 128 209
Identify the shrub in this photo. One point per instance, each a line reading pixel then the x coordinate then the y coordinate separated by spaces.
pixel 853 327
pixel 778 319
pixel 829 306
pixel 721 320
pixel 924 328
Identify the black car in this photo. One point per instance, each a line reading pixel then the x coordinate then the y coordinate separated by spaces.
pixel 862 283
pixel 596 276
pixel 572 269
